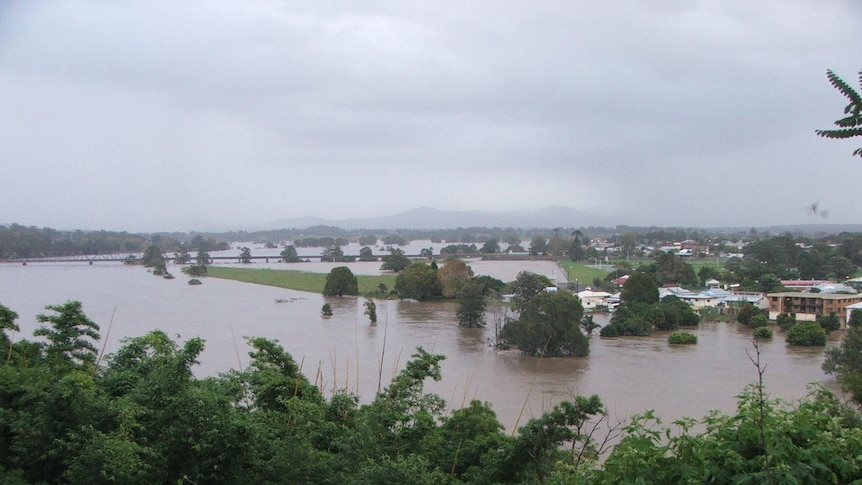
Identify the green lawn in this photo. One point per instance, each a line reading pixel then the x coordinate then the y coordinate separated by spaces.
pixel 582 272
pixel 296 280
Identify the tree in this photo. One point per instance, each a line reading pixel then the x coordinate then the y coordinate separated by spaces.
pixel 855 319
pixel 760 443
pixel 419 281
pixel 471 304
pixel 340 281
pixel 588 325
pixel 453 276
pixel 851 125
pixel 332 253
pixel 639 288
pixel 768 283
pixel 289 254
pixel 491 246
pixel 785 320
pixel 365 254
pixel 202 258
pixel 395 261
pixel 7 319
pixel 245 255
pixel 154 257
pixel 70 334
pixel 549 325
pixel 746 312
pixel 829 322
pixel 670 268
pixel 706 273
pixel 538 245
pixel 845 363
pixel 182 256
pixel 576 251
pixel 527 285
pixel 806 334
pixel 326 310
pixel 628 242
pixel 371 310
pixel 757 321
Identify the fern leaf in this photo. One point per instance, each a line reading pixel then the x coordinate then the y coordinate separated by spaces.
pixel 845 89
pixel 840 134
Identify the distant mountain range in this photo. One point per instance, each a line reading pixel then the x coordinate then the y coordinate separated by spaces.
pixel 429 218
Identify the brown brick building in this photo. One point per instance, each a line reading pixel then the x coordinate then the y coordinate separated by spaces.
pixel 809 306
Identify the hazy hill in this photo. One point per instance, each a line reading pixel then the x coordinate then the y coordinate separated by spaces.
pixel 429 218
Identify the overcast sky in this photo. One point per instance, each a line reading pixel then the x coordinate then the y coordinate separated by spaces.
pixel 164 115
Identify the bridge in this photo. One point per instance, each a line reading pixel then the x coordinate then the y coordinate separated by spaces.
pixel 134 258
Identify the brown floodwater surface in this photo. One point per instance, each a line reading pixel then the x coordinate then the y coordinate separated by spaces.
pixel 346 351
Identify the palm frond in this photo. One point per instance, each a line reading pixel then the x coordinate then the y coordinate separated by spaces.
pixel 848 133
pixel 846 90
pixel 851 126
pixel 849 121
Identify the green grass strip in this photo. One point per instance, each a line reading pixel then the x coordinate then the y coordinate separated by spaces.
pixel 296 280
pixel 582 272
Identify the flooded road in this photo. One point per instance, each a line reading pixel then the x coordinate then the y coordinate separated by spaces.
pixel 345 351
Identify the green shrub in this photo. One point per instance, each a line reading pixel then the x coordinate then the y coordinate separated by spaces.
pixel 195 281
pixel 785 320
pixel 757 321
pixel 762 332
pixel 326 310
pixel 807 334
pixel 829 322
pixel 680 338
pixel 609 331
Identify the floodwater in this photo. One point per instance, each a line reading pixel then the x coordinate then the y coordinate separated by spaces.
pixel 346 351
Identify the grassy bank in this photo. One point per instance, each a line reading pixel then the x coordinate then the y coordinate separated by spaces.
pixel 582 272
pixel 296 280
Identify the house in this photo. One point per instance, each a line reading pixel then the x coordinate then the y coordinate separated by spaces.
pixel 830 287
pixel 802 285
pixel 592 300
pixel 809 306
pixel 619 282
pixel 854 283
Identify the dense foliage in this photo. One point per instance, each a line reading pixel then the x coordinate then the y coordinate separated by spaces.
pixel 340 281
pixel 141 416
pixel 806 334
pixel 471 304
pixel 845 362
pixel 640 311
pixel 682 338
pixel 419 281
pixel 762 333
pixel 548 324
pixel 17 241
pixel 395 261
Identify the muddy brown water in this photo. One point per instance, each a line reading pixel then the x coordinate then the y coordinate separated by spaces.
pixel 345 351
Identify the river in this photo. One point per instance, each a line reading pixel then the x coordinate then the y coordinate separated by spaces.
pixel 345 351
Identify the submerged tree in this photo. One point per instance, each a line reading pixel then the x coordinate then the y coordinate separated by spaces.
pixel 549 325
pixel 371 310
pixel 340 281
pixel 471 305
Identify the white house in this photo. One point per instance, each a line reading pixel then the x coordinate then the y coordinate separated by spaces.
pixel 592 299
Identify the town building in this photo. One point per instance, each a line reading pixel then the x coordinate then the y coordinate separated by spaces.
pixel 809 306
